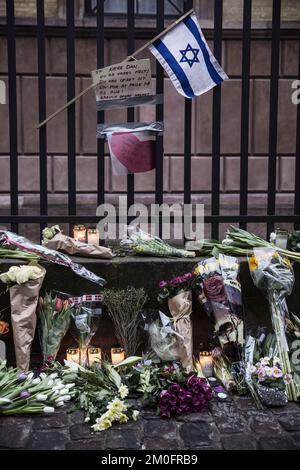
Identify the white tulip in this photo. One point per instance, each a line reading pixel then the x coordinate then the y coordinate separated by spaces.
pixel 36 381
pixel 59 404
pixel 53 375
pixel 58 386
pixel 5 401
pixel 69 386
pixel 65 397
pixel 41 397
pixel 48 409
pixel 30 375
pixel 50 383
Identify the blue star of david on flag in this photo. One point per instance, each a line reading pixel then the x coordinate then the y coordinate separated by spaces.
pixel 191 59
pixel 186 57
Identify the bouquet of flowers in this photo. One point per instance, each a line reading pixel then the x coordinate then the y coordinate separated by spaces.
pixel 222 370
pixel 178 293
pixel 24 284
pixel 273 274
pixel 54 239
pixel 191 397
pixel 142 243
pixel 54 317
pixel 101 393
pixel 163 339
pixel 85 318
pixel 156 376
pixel 23 393
pixel 219 291
pixel 13 241
pixel 124 308
pixel 270 382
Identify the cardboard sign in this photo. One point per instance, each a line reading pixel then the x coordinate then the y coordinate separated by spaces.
pixel 123 80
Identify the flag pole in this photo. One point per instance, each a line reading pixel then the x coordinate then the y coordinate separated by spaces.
pixel 90 87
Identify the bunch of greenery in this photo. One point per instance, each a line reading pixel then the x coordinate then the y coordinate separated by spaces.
pixel 124 307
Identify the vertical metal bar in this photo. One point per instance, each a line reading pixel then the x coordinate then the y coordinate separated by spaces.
pixel 187 137
pixel 245 109
pixel 100 114
pixel 275 50
pixel 71 109
pixel 130 111
pixel 216 141
pixel 297 158
pixel 12 97
pixel 42 107
pixel 159 172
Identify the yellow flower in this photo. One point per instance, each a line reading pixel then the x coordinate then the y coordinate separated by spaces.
pixel 117 406
pixel 135 415
pixel 253 263
pixel 102 423
pixel 123 391
pixel 123 418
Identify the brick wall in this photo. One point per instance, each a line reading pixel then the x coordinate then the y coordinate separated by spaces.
pixel 28 8
pixel 115 50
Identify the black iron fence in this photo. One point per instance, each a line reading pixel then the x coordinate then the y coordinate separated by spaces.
pixel 215 218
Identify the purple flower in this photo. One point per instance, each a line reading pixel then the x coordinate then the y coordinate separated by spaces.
pixel 219 389
pixel 175 389
pixel 162 284
pixel 199 402
pixel 187 276
pixel 25 394
pixel 22 376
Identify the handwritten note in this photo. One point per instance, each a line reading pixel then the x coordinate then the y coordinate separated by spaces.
pixel 123 80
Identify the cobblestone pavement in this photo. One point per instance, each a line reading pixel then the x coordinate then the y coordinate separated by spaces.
pixel 234 424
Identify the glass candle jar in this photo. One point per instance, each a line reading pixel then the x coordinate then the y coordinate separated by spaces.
pixel 117 355
pixel 79 233
pixel 93 236
pixel 206 362
pixel 72 355
pixel 282 236
pixel 95 355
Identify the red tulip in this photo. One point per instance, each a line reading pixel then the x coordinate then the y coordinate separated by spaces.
pixel 58 305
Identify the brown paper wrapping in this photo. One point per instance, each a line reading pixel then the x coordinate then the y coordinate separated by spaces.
pixel 68 245
pixel 180 307
pixel 23 304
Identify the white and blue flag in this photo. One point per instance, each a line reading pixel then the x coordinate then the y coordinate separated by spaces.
pixel 186 57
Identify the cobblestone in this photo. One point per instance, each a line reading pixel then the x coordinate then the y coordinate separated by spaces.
pixel 226 425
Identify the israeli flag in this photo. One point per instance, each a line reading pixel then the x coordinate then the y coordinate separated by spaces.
pixel 186 57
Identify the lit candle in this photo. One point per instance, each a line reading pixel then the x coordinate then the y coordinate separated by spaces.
pixel 117 355
pixel 79 233
pixel 95 355
pixel 72 355
pixel 206 362
pixel 281 239
pixel 93 236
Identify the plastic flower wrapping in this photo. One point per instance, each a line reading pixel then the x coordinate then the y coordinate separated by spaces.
pixel 273 274
pixel 54 315
pixel 24 284
pixel 163 339
pixel 219 291
pixel 178 294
